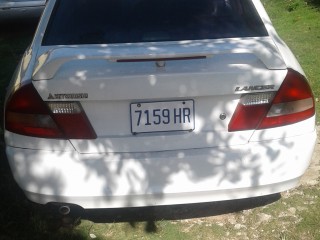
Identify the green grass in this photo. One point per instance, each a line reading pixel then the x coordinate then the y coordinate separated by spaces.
pixel 294 217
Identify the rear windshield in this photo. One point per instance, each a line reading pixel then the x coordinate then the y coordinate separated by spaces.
pixel 132 21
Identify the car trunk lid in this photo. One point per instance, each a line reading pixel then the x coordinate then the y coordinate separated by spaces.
pixel 111 82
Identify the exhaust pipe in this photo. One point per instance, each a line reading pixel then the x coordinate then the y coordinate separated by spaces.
pixel 67 214
pixel 64 210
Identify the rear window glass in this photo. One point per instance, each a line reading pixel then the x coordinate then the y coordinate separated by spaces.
pixel 132 21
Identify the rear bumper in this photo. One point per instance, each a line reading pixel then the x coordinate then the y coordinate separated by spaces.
pixel 162 178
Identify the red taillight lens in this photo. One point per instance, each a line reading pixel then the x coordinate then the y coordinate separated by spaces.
pixel 27 114
pixel 292 103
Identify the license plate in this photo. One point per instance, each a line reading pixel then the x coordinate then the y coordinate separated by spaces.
pixel 162 116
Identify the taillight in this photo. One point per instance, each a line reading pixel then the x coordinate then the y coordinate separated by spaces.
pixel 27 114
pixel 72 120
pixel 292 103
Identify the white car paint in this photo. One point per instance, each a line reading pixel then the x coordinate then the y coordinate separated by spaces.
pixel 121 169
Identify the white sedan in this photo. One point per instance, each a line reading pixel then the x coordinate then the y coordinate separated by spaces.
pixel 156 102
